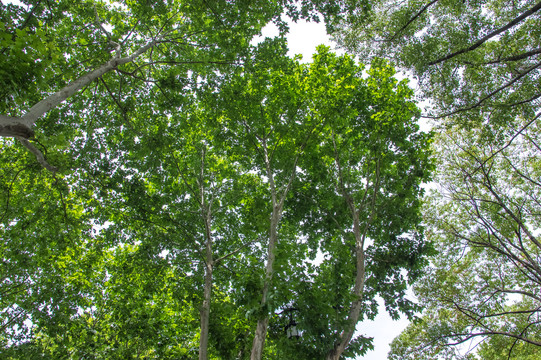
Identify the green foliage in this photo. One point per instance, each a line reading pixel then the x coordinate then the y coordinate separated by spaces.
pixel 197 156
pixel 478 60
pixel 483 285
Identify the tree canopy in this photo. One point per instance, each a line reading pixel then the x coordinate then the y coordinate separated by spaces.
pixel 477 64
pixel 170 188
pixel 475 60
pixel 483 286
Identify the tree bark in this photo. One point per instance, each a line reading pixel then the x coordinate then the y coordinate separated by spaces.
pixel 14 127
pixel 206 213
pixel 360 236
pixel 355 309
pixel 262 324
pixel 277 207
pixel 205 309
pixel 22 126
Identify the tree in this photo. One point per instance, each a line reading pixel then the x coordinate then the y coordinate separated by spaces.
pixel 297 118
pixel 142 38
pixel 265 107
pixel 130 305
pixel 362 182
pixel 388 155
pixel 484 285
pixel 475 60
pixel 213 182
pixel 193 192
pixel 43 221
pixel 59 49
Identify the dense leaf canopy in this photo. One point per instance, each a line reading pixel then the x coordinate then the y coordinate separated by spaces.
pixel 484 285
pixel 476 60
pixel 477 65
pixel 169 187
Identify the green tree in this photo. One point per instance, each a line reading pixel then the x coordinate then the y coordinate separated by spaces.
pixel 225 185
pixel 484 284
pixel 131 43
pixel 129 306
pixel 52 51
pixel 269 124
pixel 476 60
pixel 323 129
pixel 43 220
pixel 363 187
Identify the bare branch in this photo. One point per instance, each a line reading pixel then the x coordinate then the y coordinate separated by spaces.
pixel 484 162
pixel 488 96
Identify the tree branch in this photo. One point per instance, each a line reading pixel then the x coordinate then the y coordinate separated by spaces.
pixel 517 57
pixel 39 155
pixel 233 252
pixel 488 96
pixel 496 32
pixel 413 19
pixel 14 126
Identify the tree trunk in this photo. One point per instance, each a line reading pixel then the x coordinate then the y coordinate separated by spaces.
pixel 206 213
pixel 259 338
pixel 13 127
pixel 262 324
pixel 205 312
pixel 355 309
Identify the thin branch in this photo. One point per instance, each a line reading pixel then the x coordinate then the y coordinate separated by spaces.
pixel 130 33
pixel 64 207
pixel 423 9
pixel 124 115
pixel 500 60
pixel 234 251
pixel 8 196
pixel 171 62
pixel 535 97
pixel 469 336
pixel 213 12
pixel 181 173
pixel 484 162
pixel 39 155
pixel 517 57
pixel 486 97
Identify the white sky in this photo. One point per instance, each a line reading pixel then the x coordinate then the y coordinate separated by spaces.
pixel 303 38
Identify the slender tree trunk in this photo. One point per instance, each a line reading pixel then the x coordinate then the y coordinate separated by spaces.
pixel 360 275
pixel 262 324
pixel 205 310
pixel 206 213
pixel 355 309
pixel 277 209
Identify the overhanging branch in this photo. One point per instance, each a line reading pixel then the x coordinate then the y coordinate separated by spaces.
pixel 39 155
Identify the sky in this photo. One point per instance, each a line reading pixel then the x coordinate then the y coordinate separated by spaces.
pixel 303 38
